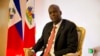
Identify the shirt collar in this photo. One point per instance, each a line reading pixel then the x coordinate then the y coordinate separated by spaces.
pixel 57 25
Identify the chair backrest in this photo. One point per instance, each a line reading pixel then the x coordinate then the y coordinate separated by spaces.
pixel 81 36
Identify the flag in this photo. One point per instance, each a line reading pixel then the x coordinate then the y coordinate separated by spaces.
pixel 29 25
pixel 21 27
pixel 15 33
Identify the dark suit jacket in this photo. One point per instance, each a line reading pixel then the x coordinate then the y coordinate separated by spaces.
pixel 66 39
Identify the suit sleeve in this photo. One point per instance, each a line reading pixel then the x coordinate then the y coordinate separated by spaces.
pixel 38 45
pixel 71 41
pixel 40 42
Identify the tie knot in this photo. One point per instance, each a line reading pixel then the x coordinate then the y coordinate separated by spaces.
pixel 54 27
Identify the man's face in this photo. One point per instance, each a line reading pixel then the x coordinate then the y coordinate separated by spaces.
pixel 54 13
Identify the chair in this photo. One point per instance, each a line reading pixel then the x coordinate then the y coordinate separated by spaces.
pixel 81 36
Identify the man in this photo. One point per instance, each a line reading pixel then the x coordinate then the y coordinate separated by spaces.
pixel 65 39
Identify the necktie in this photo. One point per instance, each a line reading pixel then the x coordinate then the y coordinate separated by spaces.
pixel 50 41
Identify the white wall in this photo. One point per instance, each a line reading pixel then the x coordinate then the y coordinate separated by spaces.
pixel 85 13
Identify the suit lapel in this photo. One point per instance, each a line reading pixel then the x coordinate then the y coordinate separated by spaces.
pixel 60 29
pixel 50 28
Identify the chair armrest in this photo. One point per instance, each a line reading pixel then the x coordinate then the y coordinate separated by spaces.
pixel 26 51
pixel 72 54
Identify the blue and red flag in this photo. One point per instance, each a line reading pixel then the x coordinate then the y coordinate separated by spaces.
pixel 21 27
pixel 29 24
